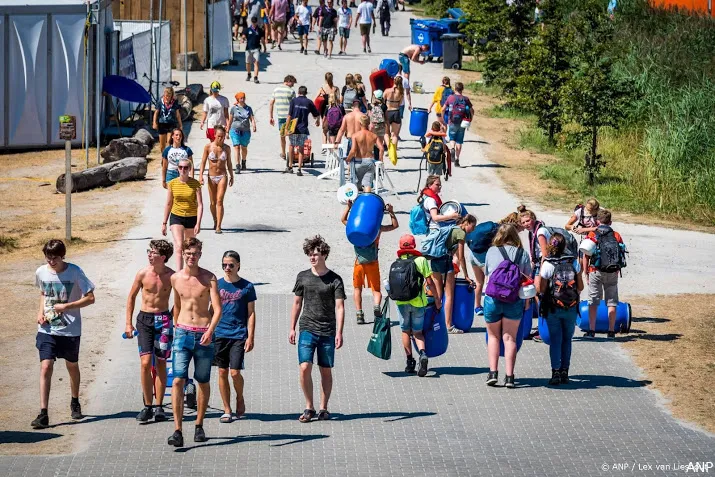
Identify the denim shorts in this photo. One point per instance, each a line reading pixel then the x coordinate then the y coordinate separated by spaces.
pixel 456 133
pixel 495 310
pixel 478 259
pixel 442 265
pixel 240 138
pixel 412 318
pixel 309 342
pixel 186 346
pixel 404 62
pixel 303 30
pixel 171 174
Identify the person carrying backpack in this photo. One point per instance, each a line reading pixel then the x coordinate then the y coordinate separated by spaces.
pixel 561 286
pixel 377 118
pixel 440 96
pixel 383 7
pixel 506 263
pixel 333 118
pixel 457 108
pixel 407 279
pixel 584 219
pixel 436 152
pixel 603 258
pixel 366 270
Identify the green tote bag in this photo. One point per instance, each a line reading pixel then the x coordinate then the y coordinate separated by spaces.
pixel 380 344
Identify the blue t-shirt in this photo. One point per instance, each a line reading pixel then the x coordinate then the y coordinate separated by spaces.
pixel 253 37
pixel 235 298
pixel 301 108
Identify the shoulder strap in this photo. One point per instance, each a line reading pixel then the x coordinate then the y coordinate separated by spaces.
pixel 519 253
pixel 505 255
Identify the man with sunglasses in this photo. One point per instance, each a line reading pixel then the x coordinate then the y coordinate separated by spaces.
pixel 64 289
pixel 234 333
pixel 155 326
pixel 194 290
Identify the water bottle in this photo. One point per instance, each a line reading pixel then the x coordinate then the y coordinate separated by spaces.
pixel 386 284
pixel 124 335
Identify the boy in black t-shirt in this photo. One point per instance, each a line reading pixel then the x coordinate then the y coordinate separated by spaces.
pixel 320 294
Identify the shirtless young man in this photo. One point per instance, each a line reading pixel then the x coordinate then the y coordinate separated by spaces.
pixel 362 153
pixel 351 125
pixel 411 53
pixel 154 324
pixel 194 289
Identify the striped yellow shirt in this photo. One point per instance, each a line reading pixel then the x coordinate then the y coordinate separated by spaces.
pixel 185 203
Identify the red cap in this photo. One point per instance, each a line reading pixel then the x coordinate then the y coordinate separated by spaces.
pixel 407 242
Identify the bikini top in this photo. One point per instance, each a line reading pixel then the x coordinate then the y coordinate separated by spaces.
pixel 212 156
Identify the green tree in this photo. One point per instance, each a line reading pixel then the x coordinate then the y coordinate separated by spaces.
pixel 594 96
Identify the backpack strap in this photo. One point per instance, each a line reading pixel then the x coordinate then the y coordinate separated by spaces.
pixel 504 255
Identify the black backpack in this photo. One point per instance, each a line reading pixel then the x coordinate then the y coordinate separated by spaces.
pixel 437 151
pixel 405 280
pixel 610 257
pixel 563 285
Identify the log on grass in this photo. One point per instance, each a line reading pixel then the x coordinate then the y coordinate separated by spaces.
pixel 105 175
pixel 124 147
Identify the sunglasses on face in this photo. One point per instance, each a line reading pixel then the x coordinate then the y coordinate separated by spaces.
pixel 184 168
pixel 227 265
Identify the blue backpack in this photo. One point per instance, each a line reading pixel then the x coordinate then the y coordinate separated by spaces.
pixel 435 245
pixel 480 239
pixel 419 223
pixel 505 281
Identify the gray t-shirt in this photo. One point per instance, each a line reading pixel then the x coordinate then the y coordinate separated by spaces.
pixel 494 258
pixel 64 287
pixel 319 296
pixel 254 9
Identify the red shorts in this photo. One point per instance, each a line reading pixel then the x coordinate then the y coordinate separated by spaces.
pixel 210 134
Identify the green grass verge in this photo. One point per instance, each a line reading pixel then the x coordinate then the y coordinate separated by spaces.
pixel 7 243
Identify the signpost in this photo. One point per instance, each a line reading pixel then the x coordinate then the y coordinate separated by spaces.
pixel 68 132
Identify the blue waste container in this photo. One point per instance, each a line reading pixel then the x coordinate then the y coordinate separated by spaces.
pixel 418 121
pixel 463 305
pixel 450 24
pixel 365 219
pixel 623 317
pixel 435 332
pixel 456 13
pixel 519 336
pixel 429 32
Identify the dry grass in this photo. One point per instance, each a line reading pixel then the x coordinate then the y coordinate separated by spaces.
pixel 675 350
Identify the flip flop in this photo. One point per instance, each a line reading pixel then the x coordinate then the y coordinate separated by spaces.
pixel 225 418
pixel 307 415
pixel 323 415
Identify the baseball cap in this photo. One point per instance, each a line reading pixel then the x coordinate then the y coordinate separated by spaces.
pixel 407 242
pixel 378 94
pixel 215 86
pixel 240 95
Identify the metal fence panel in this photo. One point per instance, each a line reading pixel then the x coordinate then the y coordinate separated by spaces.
pixel 220 35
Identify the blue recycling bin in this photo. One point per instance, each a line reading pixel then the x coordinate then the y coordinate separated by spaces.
pixel 456 13
pixel 429 32
pixel 450 24
pixel 418 121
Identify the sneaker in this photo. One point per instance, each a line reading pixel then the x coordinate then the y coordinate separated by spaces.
pixel 273 45
pixel 302 49
pixel 279 47
pixel 454 331
pixel 299 173
pixel 360 317
pixel 341 53
pixel 176 439
pixel 611 335
pixel 364 50
pixel 305 52
pixel 589 334
pixel 509 382
pixel 369 50
pixel 423 365
pixel 479 311
pixel 42 421
pixel 289 170
pixel 255 80
pixel 145 414
pixel 248 77
pixel 492 378
pixel 317 52
pixel 159 415
pixel 564 375
pixel 555 377
pixel 237 170
pixel 537 338
pixel 411 363
pixel 456 162
pixel 76 410
pixel 199 434
pixel 243 165
pixel 377 311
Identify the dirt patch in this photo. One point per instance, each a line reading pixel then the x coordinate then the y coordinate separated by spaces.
pixel 32 213
pixel 675 350
pixel 522 167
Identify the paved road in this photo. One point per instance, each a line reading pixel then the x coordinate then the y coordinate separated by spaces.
pixel 386 423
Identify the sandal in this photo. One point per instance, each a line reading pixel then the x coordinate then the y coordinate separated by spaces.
pixel 323 415
pixel 307 415
pixel 225 418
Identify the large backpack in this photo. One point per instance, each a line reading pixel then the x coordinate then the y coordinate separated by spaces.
pixel 435 244
pixel 334 117
pixel 446 93
pixel 348 97
pixel 571 244
pixel 405 280
pixel 436 151
pixel 460 110
pixel 563 286
pixel 377 115
pixel 610 256
pixel 419 221
pixel 480 239
pixel 505 281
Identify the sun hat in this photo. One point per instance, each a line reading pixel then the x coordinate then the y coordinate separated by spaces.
pixel 378 94
pixel 407 245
